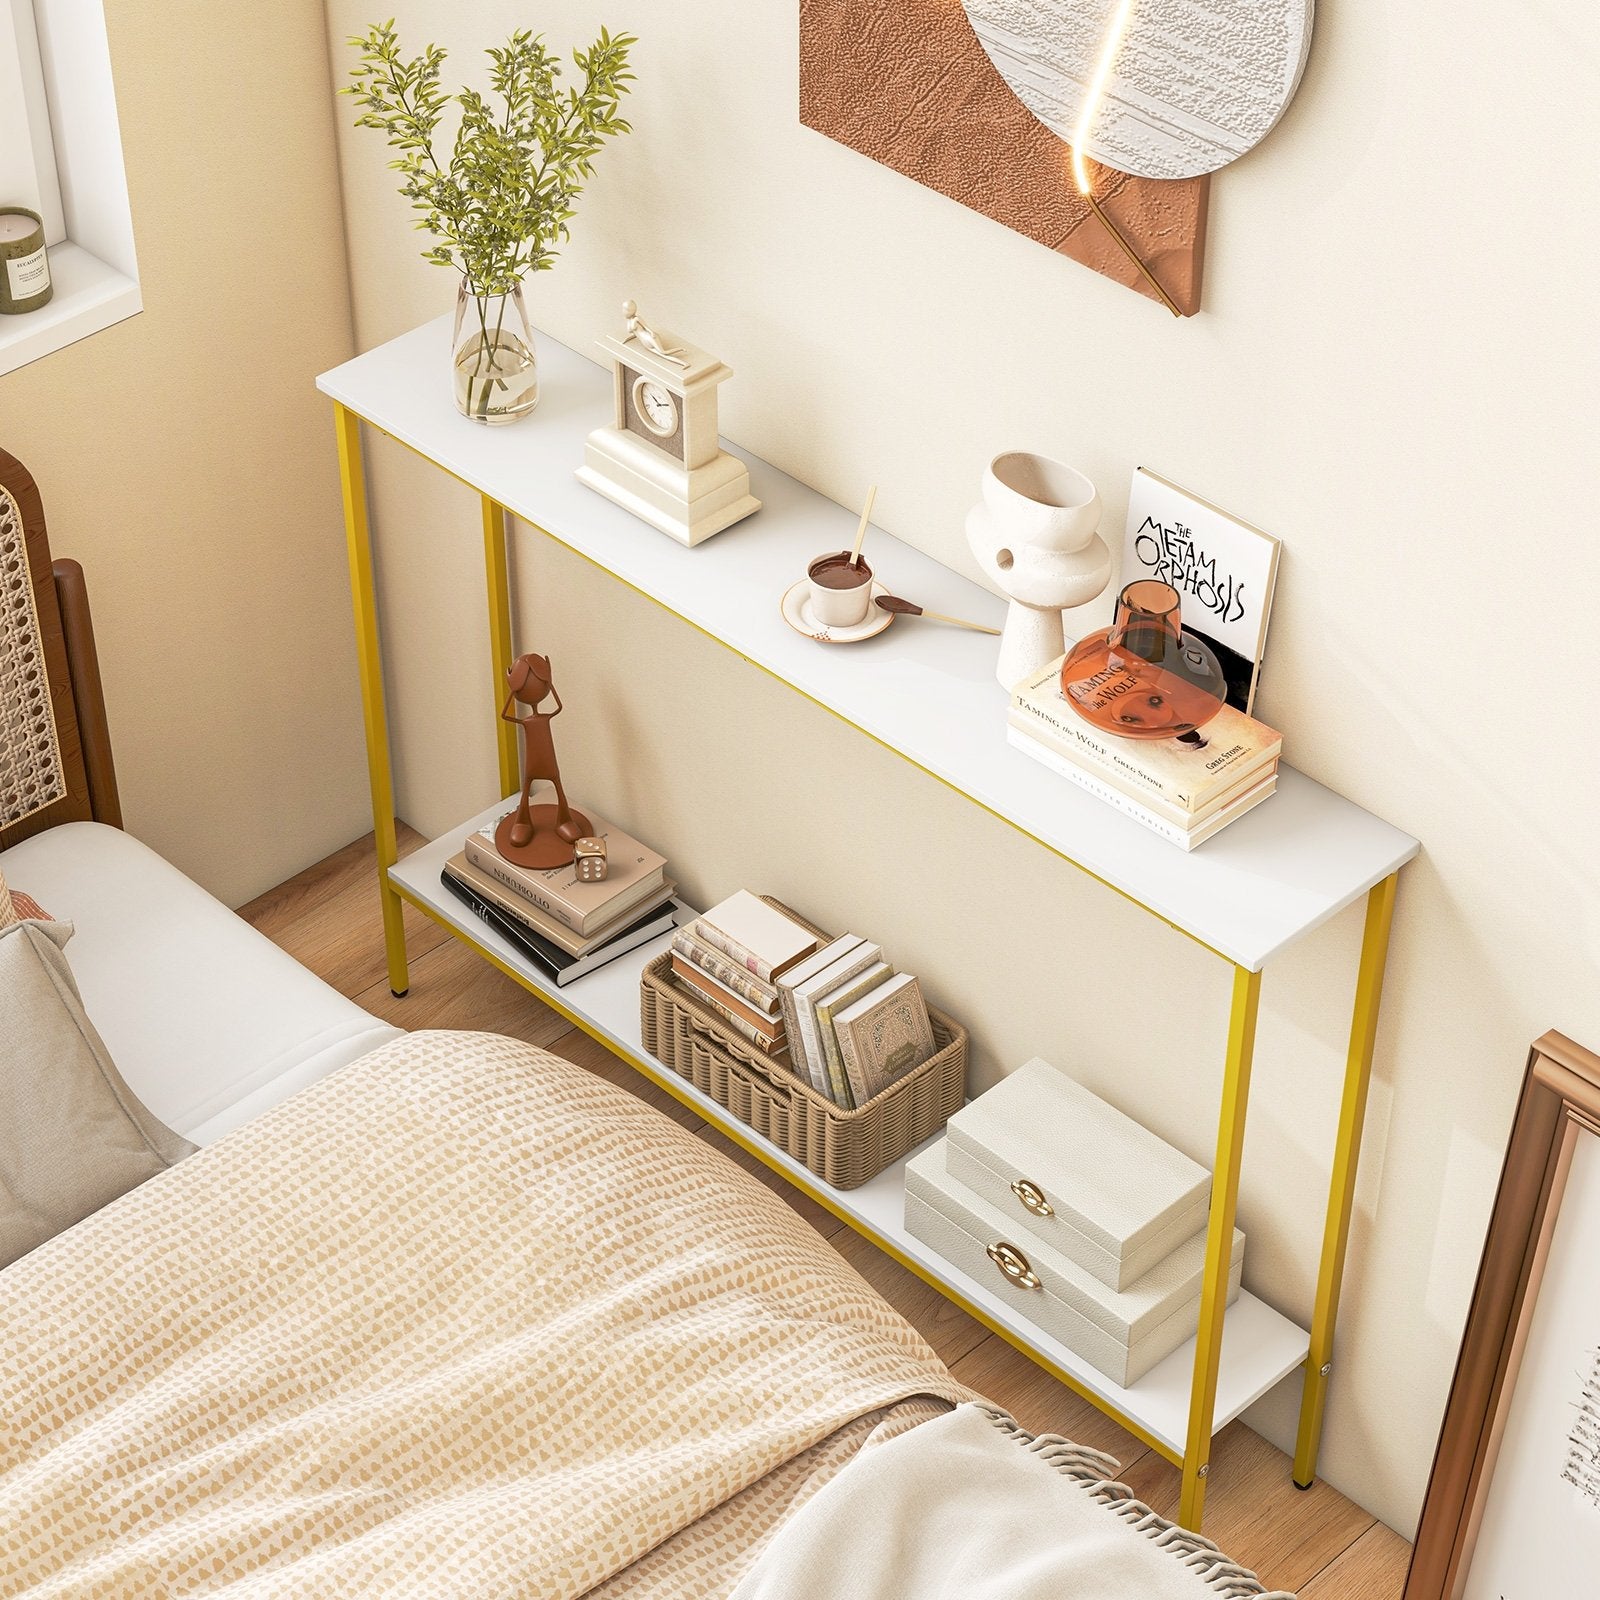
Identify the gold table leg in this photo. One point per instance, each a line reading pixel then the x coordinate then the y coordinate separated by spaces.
pixel 358 540
pixel 1219 1243
pixel 495 573
pixel 1342 1189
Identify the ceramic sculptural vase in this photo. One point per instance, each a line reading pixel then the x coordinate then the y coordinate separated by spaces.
pixel 493 365
pixel 1035 536
pixel 1144 677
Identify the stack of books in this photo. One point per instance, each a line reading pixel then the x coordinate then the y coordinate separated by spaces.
pixel 1185 795
pixel 731 959
pixel 565 927
pixel 849 1023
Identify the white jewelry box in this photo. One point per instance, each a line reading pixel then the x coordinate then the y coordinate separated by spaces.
pixel 1077 1175
pixel 1122 1335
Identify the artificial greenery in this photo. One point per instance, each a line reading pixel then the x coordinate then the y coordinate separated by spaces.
pixel 504 197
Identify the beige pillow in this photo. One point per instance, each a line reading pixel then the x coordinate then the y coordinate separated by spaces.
pixel 72 1135
pixel 15 905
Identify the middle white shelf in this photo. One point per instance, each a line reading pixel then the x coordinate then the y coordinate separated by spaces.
pixel 1260 1347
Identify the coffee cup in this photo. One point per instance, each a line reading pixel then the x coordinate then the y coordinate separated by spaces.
pixel 841 590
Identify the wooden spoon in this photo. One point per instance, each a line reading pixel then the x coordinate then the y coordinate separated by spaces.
pixel 906 608
pixel 861 530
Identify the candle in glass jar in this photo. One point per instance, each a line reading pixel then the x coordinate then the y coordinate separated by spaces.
pixel 24 264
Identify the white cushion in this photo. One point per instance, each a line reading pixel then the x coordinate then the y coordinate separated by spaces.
pixel 208 1021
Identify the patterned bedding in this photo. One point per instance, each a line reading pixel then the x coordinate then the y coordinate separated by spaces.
pixel 461 1319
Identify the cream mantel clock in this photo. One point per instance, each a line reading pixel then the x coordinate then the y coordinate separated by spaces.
pixel 660 458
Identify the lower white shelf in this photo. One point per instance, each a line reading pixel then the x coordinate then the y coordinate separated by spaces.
pixel 1260 1349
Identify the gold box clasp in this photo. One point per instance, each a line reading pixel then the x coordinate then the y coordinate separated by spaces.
pixel 1014 1264
pixel 1032 1198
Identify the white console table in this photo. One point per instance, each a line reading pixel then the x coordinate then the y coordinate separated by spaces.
pixel 1279 872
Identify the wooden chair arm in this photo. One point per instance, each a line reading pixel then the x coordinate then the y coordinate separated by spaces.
pixel 88 697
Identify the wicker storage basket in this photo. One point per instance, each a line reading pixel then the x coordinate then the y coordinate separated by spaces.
pixel 844 1148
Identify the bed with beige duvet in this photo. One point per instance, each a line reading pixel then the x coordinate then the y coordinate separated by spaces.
pixel 463 1320
pixel 458 1319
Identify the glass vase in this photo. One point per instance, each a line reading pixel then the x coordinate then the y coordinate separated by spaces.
pixel 1144 677
pixel 494 366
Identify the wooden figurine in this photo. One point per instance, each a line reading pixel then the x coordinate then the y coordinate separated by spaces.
pixel 540 836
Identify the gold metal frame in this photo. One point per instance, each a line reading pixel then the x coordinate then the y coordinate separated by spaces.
pixel 1196 1456
pixel 1342 1188
pixel 375 715
pixel 1219 1243
pixel 497 577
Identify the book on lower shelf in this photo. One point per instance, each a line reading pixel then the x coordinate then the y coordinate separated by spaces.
pixel 634 873
pixel 546 927
pixel 546 956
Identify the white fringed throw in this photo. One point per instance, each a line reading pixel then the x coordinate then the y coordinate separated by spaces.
pixel 969 1507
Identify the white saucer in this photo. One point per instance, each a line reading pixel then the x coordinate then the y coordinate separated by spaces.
pixel 796 609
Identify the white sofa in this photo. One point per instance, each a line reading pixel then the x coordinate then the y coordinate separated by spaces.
pixel 209 1022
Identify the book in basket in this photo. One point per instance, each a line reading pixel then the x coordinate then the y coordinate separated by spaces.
pixel 884 1035
pixel 845 958
pixel 634 872
pixel 828 1007
pixel 1166 769
pixel 763 996
pixel 763 940
pixel 759 1029
pixel 771 1043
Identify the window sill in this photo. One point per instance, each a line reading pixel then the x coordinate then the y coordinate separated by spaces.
pixel 89 296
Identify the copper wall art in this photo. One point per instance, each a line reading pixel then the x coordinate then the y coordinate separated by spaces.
pixel 979 100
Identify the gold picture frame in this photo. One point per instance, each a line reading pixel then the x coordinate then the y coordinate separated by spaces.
pixel 1559 1106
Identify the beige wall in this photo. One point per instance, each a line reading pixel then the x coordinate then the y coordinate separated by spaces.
pixel 1394 372
pixel 186 459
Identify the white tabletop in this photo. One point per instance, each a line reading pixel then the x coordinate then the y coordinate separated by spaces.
pixel 926 690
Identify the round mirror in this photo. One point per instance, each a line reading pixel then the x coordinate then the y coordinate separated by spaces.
pixel 1185 86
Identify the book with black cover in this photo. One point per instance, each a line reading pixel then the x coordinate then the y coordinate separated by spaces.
pixel 554 962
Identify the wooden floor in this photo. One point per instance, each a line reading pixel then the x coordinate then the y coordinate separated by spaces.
pixel 1314 1542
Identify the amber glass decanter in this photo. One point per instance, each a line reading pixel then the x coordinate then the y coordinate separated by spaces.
pixel 1144 677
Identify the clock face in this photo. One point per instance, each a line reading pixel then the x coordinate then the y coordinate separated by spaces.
pixel 657 408
pixel 652 412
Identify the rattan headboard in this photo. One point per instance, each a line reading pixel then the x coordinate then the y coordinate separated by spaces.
pixel 55 748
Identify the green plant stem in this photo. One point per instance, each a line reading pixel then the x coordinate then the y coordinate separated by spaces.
pixel 483 352
pixel 488 355
pixel 499 323
pixel 502 198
